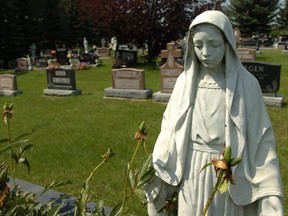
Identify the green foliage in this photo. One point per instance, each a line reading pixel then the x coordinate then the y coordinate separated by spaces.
pixel 15 201
pixel 282 19
pixel 252 16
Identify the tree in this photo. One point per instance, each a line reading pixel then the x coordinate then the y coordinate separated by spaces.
pixel 252 16
pixel 154 22
pixel 282 18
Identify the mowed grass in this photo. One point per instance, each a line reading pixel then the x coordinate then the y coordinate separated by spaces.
pixel 70 133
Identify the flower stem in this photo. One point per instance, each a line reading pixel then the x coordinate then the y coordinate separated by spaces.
pixel 127 176
pixel 92 173
pixel 218 183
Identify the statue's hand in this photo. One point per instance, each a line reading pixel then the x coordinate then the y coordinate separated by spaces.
pixel 272 205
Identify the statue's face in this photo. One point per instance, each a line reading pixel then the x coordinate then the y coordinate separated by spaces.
pixel 209 46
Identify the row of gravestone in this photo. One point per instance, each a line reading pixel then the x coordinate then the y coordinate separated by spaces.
pixel 130 82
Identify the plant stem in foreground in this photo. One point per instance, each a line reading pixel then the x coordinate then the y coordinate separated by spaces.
pixel 219 180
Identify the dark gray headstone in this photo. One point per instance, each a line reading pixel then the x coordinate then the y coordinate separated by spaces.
pixel 267 74
pixel 61 54
pixel 63 79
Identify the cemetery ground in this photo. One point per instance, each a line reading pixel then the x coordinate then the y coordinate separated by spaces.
pixel 70 133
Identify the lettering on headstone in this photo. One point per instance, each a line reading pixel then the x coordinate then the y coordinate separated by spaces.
pixel 128 78
pixel 169 73
pixel 246 54
pixel 61 79
pixel 8 82
pixel 268 75
pixel 103 52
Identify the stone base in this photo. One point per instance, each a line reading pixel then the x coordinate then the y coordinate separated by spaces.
pixel 58 92
pixel 273 100
pixel 161 97
pixel 10 93
pixel 127 93
pixel 285 52
pixel 269 99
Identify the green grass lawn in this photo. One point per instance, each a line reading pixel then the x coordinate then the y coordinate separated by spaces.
pixel 70 133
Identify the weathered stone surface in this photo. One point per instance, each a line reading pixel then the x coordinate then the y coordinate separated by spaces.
pixel 128 93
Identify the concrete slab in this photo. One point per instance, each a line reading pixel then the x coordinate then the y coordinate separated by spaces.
pixel 57 92
pixel 67 200
pixel 10 93
pixel 128 93
pixel 161 97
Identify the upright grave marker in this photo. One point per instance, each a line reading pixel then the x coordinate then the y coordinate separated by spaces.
pixel 268 76
pixel 246 54
pixel 22 65
pixel 176 53
pixel 128 83
pixel 61 55
pixel 169 72
pixel 61 82
pixel 8 85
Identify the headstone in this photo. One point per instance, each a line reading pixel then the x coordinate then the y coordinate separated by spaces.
pixel 22 65
pixel 250 43
pixel 246 54
pixel 61 55
pixel 176 53
pixel 169 73
pixel 87 57
pixel 268 76
pixel 128 78
pixel 125 58
pixel 128 83
pixel 103 52
pixel 41 62
pixel 61 82
pixel 8 85
pixel 285 51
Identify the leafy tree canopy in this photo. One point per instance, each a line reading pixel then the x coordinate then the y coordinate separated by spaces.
pixel 252 16
pixel 154 22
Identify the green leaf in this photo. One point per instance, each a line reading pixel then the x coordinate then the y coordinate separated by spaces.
pixel 27 148
pixel 25 162
pixel 116 210
pixel 149 174
pixel 235 161
pixel 22 136
pixel 54 211
pixel 11 145
pixel 132 179
pixel 144 165
pixel 224 187
pixel 205 166
pixel 140 194
pixel 14 156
